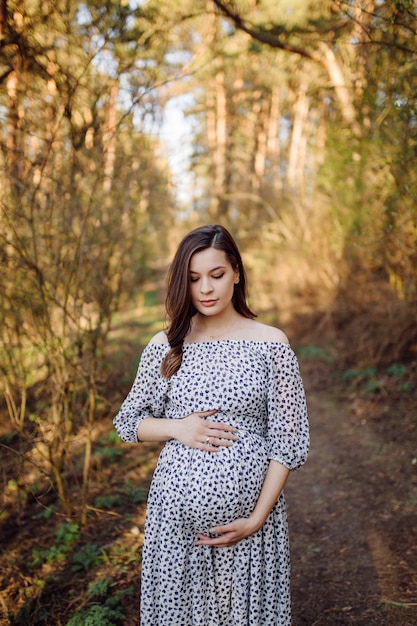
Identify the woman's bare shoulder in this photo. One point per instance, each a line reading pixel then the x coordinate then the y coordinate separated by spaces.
pixel 160 337
pixel 263 332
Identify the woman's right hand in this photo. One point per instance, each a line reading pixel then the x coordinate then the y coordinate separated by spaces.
pixel 196 431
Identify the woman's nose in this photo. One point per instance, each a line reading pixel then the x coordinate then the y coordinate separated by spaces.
pixel 206 285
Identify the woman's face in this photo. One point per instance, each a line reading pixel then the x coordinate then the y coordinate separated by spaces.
pixel 212 281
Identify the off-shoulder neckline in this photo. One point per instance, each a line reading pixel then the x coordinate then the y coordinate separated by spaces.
pixel 257 341
pixel 219 341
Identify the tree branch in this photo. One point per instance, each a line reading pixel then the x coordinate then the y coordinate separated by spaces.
pixel 264 36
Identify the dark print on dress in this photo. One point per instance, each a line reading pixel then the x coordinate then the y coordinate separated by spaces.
pixel 257 388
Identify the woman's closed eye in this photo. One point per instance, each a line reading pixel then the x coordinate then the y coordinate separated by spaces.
pixel 194 279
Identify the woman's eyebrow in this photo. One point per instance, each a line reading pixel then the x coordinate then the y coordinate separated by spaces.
pixel 219 267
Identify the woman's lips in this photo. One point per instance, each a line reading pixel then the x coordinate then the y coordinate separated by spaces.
pixel 208 302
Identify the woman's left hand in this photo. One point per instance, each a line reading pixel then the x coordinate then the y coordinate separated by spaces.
pixel 227 535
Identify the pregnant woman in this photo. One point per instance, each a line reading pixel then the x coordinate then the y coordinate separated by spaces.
pixel 224 393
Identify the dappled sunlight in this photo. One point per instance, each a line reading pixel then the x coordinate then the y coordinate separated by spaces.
pixel 296 130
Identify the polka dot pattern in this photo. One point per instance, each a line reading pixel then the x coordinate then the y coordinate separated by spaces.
pixel 256 387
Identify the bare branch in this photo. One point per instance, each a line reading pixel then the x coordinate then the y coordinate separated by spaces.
pixel 264 36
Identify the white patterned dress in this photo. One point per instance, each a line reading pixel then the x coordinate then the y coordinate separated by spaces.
pixel 256 387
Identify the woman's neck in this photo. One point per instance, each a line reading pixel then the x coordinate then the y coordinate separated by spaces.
pixel 205 328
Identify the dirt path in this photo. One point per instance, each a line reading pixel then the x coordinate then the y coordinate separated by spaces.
pixel 352 513
pixel 353 521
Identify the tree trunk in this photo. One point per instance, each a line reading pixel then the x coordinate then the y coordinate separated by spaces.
pixel 109 143
pixel 298 144
pixel 343 90
pixel 12 165
pixel 273 144
pixel 260 139
pixel 217 138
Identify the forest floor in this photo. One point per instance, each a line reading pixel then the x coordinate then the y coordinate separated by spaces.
pixel 353 507
pixel 352 515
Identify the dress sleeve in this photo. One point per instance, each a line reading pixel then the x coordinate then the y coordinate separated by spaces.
pixel 147 396
pixel 288 431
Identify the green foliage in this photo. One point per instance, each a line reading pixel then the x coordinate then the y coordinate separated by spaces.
pixel 88 557
pixel 100 588
pixel 9 437
pixel 66 536
pixel 359 373
pixel 97 615
pixel 135 494
pixel 84 210
pixel 108 502
pixel 87 212
pixel 405 387
pixel 399 370
pixel 30 614
pixel 373 382
pixel 48 555
pixel 109 454
pixel 372 385
pixel 107 613
pixel 68 533
pixel 107 447
pixel 396 369
pixel 313 353
pixel 112 438
pixel 46 513
pixel 123 558
pixel 367 376
pixel 131 494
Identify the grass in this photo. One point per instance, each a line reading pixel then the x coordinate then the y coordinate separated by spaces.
pixel 55 572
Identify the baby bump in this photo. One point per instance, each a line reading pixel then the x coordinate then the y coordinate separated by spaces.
pixel 204 489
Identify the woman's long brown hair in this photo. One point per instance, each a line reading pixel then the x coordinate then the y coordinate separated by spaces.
pixel 179 307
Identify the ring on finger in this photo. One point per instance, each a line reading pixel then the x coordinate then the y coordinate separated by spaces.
pixel 208 441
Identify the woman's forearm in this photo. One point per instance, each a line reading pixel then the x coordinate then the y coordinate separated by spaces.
pixel 195 430
pixel 274 483
pixel 156 429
